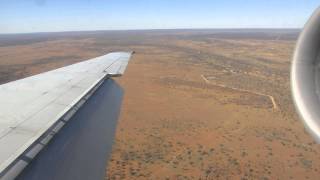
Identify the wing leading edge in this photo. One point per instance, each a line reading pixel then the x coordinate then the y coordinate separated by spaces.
pixel 33 109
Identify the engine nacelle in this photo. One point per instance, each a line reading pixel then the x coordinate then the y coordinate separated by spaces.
pixel 305 75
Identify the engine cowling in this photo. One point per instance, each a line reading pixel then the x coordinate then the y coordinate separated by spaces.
pixel 305 75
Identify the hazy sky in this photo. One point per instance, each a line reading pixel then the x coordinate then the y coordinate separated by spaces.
pixel 20 16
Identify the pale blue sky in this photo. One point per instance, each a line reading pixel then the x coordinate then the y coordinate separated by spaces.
pixel 21 16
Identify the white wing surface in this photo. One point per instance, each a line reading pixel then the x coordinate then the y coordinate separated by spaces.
pixel 33 109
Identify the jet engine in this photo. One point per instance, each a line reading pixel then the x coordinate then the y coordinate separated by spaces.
pixel 305 75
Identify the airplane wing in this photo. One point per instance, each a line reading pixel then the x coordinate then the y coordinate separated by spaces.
pixel 34 109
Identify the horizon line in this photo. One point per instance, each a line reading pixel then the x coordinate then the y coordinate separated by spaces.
pixel 156 29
